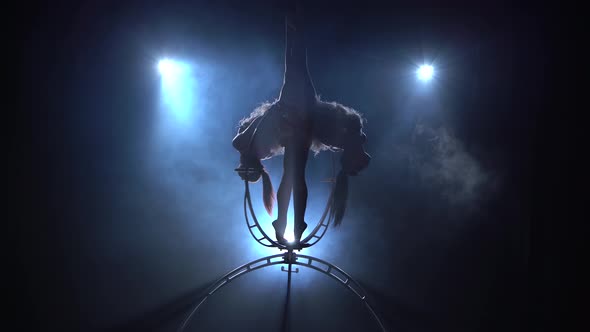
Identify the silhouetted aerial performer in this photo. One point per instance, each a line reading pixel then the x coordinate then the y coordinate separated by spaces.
pixel 294 123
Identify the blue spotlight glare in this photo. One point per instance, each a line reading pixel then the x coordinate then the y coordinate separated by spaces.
pixel 169 68
pixel 425 73
pixel 177 88
pixel 289 236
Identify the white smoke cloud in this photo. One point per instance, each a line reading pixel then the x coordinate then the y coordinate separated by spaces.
pixel 440 158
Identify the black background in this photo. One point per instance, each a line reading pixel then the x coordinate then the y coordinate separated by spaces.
pixel 523 124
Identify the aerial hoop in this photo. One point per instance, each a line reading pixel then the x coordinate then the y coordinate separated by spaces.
pixel 311 239
pixel 288 258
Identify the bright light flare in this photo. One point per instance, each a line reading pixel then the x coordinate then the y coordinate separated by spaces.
pixel 178 88
pixel 169 68
pixel 425 73
pixel 289 236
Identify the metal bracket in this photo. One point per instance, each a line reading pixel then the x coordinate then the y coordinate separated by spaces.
pixel 290 258
pixel 290 269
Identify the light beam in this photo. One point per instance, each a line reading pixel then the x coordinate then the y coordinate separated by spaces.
pixel 177 88
pixel 425 73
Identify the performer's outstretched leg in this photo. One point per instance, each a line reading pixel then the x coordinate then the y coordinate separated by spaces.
pixel 294 163
pixel 283 198
pixel 300 188
pixel 298 88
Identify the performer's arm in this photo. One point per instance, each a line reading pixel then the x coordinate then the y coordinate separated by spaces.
pixel 295 54
pixel 297 84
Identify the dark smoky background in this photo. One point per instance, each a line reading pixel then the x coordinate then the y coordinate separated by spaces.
pixel 132 210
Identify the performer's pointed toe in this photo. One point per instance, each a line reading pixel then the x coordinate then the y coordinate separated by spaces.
pixel 298 231
pixel 279 231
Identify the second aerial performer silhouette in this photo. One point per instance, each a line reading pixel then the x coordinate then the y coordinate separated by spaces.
pixel 295 123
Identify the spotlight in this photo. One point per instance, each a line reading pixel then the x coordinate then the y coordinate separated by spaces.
pixel 169 68
pixel 425 73
pixel 177 88
pixel 289 236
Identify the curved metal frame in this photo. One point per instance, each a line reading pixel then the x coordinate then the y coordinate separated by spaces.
pixel 313 237
pixel 248 204
pixel 289 258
